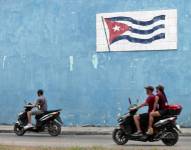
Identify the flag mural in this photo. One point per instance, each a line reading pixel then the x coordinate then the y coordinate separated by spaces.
pixel 142 30
pixel 116 29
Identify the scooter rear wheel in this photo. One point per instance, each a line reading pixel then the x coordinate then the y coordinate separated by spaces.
pixel 54 129
pixel 171 138
pixel 18 130
pixel 119 137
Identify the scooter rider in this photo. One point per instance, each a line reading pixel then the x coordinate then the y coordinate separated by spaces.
pixel 41 104
pixel 150 101
pixel 161 102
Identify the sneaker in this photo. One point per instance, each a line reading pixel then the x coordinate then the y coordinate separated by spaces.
pixel 150 131
pixel 28 126
pixel 138 133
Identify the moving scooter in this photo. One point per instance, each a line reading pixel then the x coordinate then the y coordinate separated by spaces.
pixel 165 128
pixel 49 120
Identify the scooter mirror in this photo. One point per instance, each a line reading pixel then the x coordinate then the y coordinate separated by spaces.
pixel 25 102
pixel 129 100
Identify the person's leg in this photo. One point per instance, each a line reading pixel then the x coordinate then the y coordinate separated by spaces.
pixel 152 115
pixel 137 122
pixel 29 115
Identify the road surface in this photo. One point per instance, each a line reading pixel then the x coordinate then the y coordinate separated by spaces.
pixel 87 141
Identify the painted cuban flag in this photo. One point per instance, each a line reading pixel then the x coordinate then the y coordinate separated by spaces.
pixel 142 30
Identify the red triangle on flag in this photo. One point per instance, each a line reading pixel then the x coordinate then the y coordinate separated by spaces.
pixel 115 29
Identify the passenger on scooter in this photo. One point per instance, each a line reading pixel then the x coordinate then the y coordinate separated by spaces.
pixel 150 101
pixel 41 104
pixel 160 102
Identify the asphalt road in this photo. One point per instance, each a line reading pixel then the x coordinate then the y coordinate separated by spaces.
pixel 87 141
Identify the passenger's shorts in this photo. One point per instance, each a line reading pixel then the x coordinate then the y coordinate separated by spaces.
pixel 37 112
pixel 163 112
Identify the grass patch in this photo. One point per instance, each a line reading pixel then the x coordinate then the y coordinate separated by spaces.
pixel 7 147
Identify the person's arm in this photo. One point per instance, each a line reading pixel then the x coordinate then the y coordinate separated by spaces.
pixel 38 102
pixel 142 105
pixel 156 103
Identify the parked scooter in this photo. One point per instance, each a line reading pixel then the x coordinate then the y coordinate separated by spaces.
pixel 165 128
pixel 49 120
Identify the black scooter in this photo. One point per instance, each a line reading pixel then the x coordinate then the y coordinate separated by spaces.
pixel 165 127
pixel 49 120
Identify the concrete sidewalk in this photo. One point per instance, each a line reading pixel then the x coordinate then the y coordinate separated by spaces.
pixel 86 130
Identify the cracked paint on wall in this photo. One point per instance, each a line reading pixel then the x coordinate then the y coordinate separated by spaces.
pixel 95 61
pixel 71 61
pixel 4 59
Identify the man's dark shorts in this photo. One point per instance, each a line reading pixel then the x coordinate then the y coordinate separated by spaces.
pixel 163 112
pixel 144 119
pixel 37 112
pixel 144 116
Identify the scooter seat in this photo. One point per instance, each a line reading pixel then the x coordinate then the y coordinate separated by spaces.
pixel 46 112
pixel 50 111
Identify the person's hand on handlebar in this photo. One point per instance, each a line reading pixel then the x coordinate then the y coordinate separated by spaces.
pixel 38 106
pixel 138 107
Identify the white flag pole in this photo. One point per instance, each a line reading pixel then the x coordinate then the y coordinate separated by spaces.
pixel 105 34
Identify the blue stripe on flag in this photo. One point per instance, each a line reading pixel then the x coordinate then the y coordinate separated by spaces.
pixel 137 40
pixel 138 31
pixel 137 22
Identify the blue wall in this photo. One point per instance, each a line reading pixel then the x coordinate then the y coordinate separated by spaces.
pixel 51 44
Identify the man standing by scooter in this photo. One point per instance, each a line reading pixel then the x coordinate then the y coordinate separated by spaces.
pixel 150 101
pixel 41 104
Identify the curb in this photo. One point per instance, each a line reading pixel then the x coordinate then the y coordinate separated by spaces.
pixel 185 134
pixel 69 132
pixel 86 133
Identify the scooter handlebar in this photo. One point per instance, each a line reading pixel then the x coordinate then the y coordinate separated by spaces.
pixel 29 105
pixel 133 108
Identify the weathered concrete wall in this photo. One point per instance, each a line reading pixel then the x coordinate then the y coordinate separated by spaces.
pixel 50 44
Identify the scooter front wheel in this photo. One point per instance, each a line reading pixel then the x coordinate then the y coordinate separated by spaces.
pixel 119 137
pixel 54 129
pixel 18 130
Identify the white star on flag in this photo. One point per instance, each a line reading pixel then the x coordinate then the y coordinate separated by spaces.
pixel 116 28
